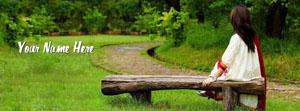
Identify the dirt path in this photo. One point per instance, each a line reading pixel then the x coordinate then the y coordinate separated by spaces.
pixel 133 59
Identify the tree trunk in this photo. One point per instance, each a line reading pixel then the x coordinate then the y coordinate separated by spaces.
pixel 173 3
pixel 200 16
pixel 275 21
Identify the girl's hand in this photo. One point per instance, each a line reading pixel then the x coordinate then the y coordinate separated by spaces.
pixel 208 81
pixel 211 79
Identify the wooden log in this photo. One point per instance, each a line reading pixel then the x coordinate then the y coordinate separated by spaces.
pixel 142 96
pixel 231 99
pixel 118 84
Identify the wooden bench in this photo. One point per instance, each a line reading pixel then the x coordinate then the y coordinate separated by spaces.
pixel 140 86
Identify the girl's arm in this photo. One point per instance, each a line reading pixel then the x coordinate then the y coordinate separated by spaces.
pixel 220 70
pixel 211 79
pixel 219 73
pixel 227 59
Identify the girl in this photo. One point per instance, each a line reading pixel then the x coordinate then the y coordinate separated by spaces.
pixel 242 59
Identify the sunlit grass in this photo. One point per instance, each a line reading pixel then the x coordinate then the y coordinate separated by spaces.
pixel 69 82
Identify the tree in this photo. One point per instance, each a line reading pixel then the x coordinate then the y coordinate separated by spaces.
pixel 41 21
pixel 173 3
pixel 171 26
pixel 196 8
pixel 94 20
pixel 276 18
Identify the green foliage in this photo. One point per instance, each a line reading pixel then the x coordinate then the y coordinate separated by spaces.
pixel 276 46
pixel 216 12
pixel 171 25
pixel 17 29
pixel 194 7
pixel 94 20
pixel 293 20
pixel 66 15
pixel 138 15
pixel 3 18
pixel 147 21
pixel 294 29
pixel 10 7
pixel 41 21
pixel 201 36
pixel 258 10
pixel 120 13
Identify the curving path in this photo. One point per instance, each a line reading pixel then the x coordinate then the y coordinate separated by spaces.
pixel 133 59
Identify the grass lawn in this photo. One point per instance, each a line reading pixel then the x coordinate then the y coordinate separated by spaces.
pixel 69 82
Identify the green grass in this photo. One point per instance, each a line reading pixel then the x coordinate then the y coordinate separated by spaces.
pixel 186 56
pixel 69 82
pixel 54 81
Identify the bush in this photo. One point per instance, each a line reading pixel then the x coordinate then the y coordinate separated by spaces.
pixel 16 29
pixel 202 36
pixel 171 25
pixel 294 28
pixel 94 20
pixel 3 18
pixel 67 15
pixel 120 13
pixel 41 21
pixel 147 21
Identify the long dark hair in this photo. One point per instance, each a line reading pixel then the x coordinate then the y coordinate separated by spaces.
pixel 240 20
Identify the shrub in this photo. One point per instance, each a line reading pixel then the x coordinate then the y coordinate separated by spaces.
pixel 147 21
pixel 67 14
pixel 41 21
pixel 16 29
pixel 120 13
pixel 94 20
pixel 171 25
pixel 201 36
pixel 294 28
pixel 3 18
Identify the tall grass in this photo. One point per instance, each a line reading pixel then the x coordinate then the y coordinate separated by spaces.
pixel 201 36
pixel 1 38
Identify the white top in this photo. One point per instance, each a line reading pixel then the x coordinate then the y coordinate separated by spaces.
pixel 242 65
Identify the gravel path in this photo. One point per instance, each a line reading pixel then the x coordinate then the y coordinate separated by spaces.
pixel 133 59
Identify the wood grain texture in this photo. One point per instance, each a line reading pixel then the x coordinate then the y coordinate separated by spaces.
pixel 118 84
pixel 231 99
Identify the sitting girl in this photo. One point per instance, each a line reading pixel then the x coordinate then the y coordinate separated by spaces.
pixel 241 61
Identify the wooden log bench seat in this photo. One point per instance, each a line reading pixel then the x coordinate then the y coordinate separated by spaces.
pixel 140 86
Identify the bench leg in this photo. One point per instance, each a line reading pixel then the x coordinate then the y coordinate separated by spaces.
pixel 230 99
pixel 142 96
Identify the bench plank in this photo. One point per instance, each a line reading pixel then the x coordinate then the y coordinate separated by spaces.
pixel 118 84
